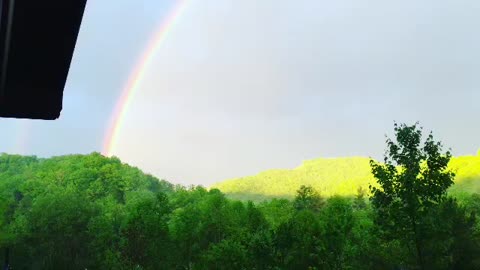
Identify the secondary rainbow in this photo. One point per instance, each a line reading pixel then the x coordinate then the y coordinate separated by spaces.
pixel 136 77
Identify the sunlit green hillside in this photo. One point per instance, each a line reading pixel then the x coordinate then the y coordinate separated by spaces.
pixel 334 176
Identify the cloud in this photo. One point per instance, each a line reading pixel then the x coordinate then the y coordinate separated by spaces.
pixel 243 86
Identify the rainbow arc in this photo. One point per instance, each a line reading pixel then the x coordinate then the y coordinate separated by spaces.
pixel 136 77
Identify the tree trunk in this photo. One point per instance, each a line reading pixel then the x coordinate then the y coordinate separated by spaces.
pixel 7 254
pixel 419 255
pixel 418 246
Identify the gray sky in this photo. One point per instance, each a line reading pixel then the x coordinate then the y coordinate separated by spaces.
pixel 241 86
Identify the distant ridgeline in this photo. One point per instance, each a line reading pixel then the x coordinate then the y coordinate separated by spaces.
pixel 98 176
pixel 335 176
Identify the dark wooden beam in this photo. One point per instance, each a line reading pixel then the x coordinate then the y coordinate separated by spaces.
pixel 37 41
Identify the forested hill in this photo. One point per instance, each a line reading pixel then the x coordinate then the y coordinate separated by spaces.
pixel 69 212
pixel 334 176
pixel 92 176
pixel 94 212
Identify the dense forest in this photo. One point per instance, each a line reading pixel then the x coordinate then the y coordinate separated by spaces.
pixel 335 176
pixel 94 212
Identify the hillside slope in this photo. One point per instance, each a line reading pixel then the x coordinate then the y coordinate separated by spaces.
pixel 334 176
pixel 93 175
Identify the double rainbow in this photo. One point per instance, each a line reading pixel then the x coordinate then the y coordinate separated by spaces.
pixel 133 84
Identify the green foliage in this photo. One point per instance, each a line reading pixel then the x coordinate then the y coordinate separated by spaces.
pixel 68 212
pixel 227 254
pixel 335 176
pixel 329 177
pixel 146 220
pixel 307 199
pixel 337 221
pixel 298 241
pixel 359 201
pixel 93 212
pixel 454 235
pixel 277 211
pixel 413 180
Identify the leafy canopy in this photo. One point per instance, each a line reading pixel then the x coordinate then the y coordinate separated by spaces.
pixel 413 180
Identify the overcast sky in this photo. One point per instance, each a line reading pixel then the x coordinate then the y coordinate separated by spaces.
pixel 241 86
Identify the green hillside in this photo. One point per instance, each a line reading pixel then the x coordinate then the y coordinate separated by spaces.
pixel 334 176
pixel 92 175
pixel 94 212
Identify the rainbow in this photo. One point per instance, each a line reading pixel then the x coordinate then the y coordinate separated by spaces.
pixel 136 77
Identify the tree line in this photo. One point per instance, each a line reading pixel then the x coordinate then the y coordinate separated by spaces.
pixel 93 212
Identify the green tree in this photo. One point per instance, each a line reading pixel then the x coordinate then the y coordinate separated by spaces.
pixel 456 236
pixel 255 220
pixel 359 201
pixel 297 242
pixel 260 248
pixel 337 222
pixel 308 199
pixel 413 179
pixel 146 232
pixel 53 232
pixel 277 211
pixel 106 230
pixel 228 254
